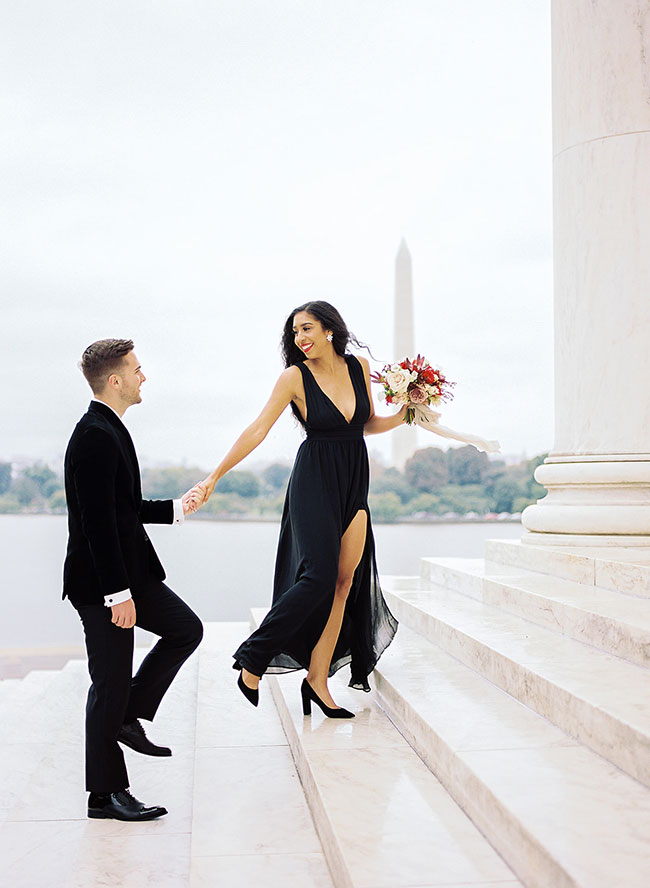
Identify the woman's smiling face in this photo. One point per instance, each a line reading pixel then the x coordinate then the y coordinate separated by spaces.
pixel 309 335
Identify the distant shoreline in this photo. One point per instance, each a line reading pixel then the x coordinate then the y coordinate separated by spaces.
pixel 275 519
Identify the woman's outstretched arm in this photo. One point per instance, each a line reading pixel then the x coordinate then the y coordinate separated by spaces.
pixel 286 390
pixel 378 424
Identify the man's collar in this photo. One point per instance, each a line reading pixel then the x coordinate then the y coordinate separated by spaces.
pixel 108 406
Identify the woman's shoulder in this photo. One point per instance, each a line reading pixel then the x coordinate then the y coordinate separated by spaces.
pixel 292 372
pixel 364 362
pixel 292 376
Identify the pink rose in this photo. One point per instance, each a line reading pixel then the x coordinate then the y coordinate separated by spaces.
pixel 418 395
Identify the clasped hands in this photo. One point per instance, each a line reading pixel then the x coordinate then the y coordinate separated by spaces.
pixel 196 497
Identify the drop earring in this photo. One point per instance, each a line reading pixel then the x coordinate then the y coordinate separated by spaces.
pixel 329 337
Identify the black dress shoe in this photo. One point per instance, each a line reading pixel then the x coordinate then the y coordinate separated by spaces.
pixel 121 806
pixel 133 735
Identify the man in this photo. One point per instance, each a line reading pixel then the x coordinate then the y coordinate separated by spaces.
pixel 114 579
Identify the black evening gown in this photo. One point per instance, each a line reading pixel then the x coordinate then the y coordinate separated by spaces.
pixel 327 487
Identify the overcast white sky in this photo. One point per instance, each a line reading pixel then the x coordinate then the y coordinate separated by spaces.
pixel 185 173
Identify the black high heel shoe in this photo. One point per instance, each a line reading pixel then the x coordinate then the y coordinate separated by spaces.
pixel 309 695
pixel 251 694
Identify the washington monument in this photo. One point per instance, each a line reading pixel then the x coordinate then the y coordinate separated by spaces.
pixel 403 439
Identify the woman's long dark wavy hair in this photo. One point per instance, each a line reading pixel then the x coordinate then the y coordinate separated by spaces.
pixel 329 319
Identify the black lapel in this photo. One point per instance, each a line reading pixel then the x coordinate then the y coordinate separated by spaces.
pixel 125 438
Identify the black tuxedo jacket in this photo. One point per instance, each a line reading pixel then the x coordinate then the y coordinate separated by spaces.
pixel 108 548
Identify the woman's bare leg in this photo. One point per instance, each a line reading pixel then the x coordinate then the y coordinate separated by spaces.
pixel 353 543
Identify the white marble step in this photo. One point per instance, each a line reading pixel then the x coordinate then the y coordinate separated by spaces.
pixel 38 709
pixel 8 687
pixel 25 698
pixel 243 768
pixel 599 699
pixel 558 813
pixel 384 820
pixel 43 824
pixel 622 569
pixel 38 680
pixel 79 665
pixel 251 824
pixel 611 621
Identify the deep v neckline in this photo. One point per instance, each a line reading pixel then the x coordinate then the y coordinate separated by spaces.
pixel 325 395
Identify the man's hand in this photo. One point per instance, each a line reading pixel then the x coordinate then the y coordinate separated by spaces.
pixel 194 499
pixel 124 614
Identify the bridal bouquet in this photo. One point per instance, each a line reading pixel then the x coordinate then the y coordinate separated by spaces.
pixel 416 384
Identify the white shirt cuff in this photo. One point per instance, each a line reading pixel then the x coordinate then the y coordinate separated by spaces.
pixel 117 598
pixel 179 516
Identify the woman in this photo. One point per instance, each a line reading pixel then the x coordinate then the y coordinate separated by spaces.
pixel 327 609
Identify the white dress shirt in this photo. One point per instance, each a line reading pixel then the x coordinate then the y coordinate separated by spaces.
pixel 179 518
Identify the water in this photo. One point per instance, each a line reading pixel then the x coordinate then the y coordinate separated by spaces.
pixel 221 569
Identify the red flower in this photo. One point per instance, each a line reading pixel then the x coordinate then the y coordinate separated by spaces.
pixel 429 375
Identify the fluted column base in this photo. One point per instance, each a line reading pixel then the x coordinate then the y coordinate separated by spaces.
pixel 599 500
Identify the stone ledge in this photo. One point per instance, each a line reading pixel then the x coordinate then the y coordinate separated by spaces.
pixel 558 813
pixel 599 699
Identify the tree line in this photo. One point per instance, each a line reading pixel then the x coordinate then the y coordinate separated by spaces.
pixel 458 481
pixel 434 484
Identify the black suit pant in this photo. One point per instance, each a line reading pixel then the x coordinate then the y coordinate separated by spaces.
pixel 115 697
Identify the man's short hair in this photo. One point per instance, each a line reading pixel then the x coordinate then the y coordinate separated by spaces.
pixel 102 358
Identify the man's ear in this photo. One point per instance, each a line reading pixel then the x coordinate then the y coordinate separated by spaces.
pixel 114 381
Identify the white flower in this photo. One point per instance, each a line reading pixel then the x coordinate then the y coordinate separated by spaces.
pixel 398 380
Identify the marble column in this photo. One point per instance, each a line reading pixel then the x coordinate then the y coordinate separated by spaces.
pixel 404 442
pixel 598 474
